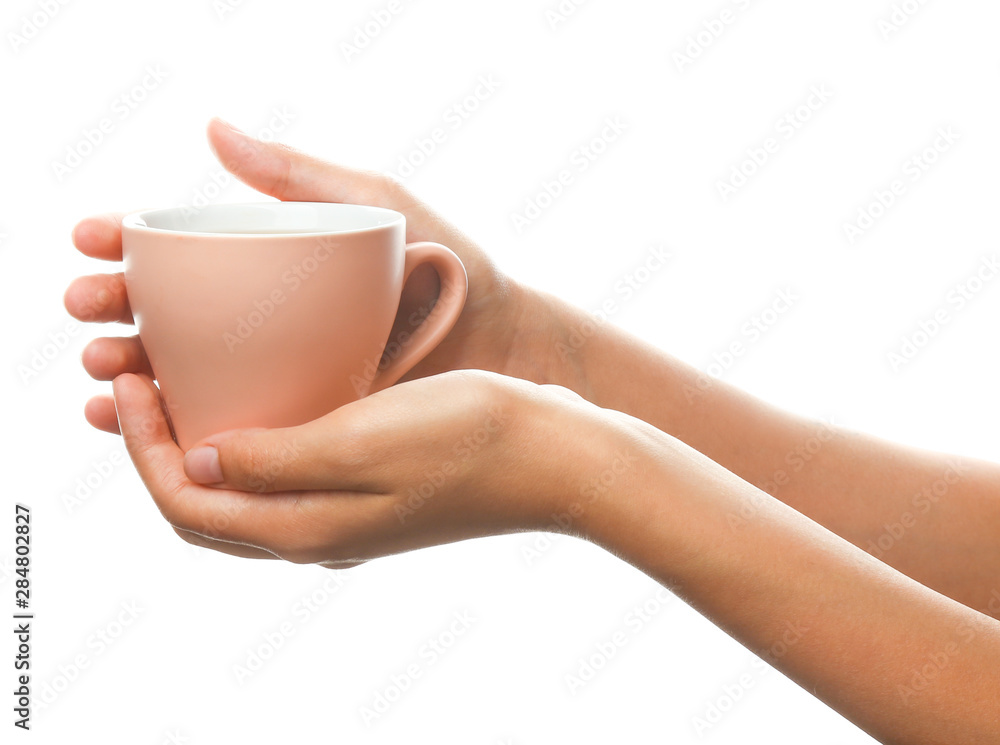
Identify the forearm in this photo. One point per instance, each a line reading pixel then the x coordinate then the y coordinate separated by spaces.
pixel 901 661
pixel 933 517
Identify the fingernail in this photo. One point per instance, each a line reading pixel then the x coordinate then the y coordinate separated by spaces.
pixel 202 465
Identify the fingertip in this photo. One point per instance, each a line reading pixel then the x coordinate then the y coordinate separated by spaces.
pixel 84 232
pixel 95 362
pixel 66 297
pixel 130 388
pixel 120 385
pixel 98 298
pixel 101 414
pixel 99 237
pixel 141 416
pixel 74 234
pixel 146 381
pixel 82 235
pixel 220 125
pixel 220 133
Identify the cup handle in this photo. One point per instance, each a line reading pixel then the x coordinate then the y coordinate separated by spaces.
pixel 442 317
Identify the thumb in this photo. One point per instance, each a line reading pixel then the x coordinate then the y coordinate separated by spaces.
pixel 287 174
pixel 311 456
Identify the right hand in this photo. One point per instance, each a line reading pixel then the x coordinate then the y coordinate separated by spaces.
pixel 504 327
pixel 445 458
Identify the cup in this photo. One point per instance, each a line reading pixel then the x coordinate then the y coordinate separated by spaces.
pixel 274 314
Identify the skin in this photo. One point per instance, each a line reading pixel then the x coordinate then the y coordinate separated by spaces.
pixel 906 645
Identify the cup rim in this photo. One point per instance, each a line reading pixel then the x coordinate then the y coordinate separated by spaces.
pixel 136 221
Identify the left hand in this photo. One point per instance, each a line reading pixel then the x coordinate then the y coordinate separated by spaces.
pixel 504 326
pixel 430 461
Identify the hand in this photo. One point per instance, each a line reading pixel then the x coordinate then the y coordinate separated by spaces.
pixel 435 460
pixel 502 327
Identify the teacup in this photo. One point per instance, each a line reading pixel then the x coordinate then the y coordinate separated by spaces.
pixel 274 314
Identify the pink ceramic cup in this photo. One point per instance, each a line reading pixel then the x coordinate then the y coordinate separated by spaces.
pixel 274 314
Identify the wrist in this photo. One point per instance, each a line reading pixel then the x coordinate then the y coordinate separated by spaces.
pixel 547 340
pixel 642 498
pixel 609 476
pixel 568 346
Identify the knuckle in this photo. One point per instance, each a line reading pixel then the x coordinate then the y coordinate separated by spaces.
pixel 387 183
pixel 169 490
pixel 388 190
pixel 561 392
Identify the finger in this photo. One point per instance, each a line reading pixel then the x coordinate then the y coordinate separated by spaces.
pixel 99 298
pixel 360 448
pixel 147 435
pixel 100 413
pixel 225 547
pixel 100 236
pixel 290 175
pixel 107 357
pixel 318 455
pixel 267 521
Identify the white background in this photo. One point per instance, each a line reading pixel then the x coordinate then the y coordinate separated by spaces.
pixel 169 676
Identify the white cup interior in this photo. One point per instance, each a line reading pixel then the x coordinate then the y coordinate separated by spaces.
pixel 321 218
